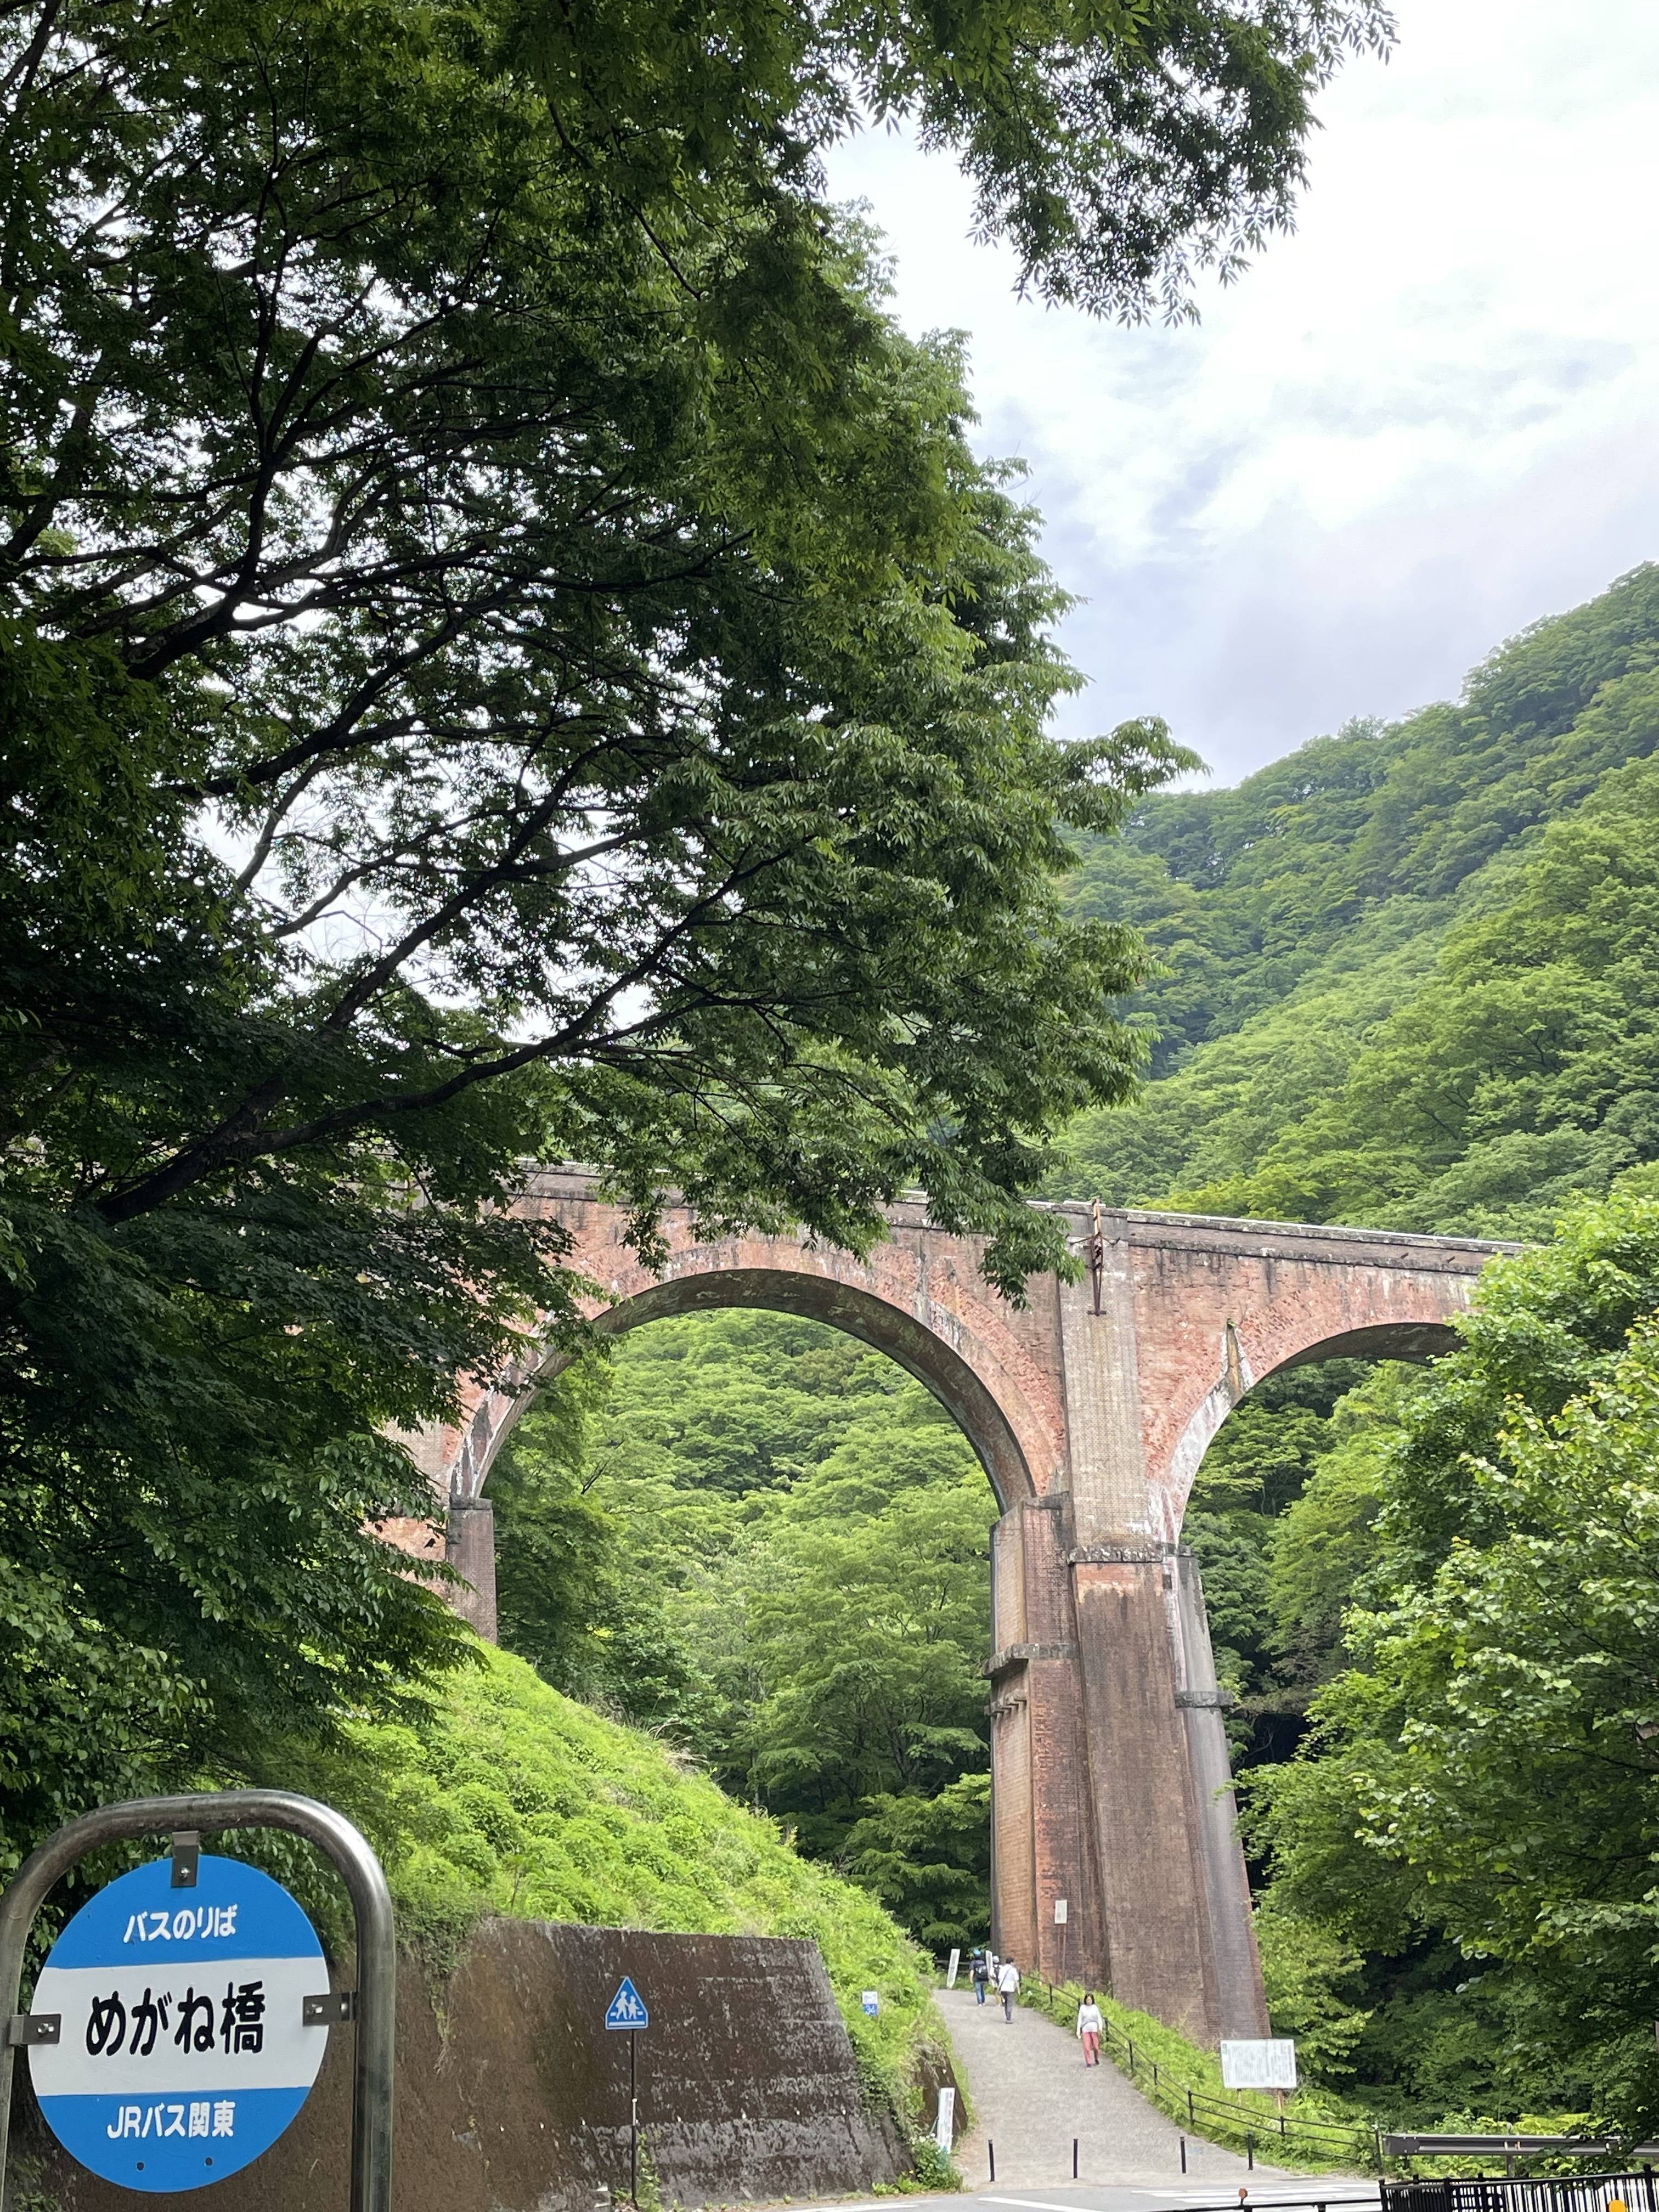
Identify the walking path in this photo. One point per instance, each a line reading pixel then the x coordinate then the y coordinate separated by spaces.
pixel 1032 2094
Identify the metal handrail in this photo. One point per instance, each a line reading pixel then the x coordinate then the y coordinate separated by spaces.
pixel 209 1813
pixel 1493 2192
pixel 1242 2116
pixel 1280 2203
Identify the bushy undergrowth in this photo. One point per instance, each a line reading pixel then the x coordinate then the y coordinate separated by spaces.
pixel 512 1799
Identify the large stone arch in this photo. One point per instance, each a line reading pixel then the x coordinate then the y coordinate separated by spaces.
pixel 992 1415
pixel 1090 1408
pixel 1396 1339
pixel 919 1297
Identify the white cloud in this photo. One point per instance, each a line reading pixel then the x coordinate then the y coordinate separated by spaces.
pixel 1428 417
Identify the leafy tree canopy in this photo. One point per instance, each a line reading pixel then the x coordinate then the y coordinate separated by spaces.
pixel 1476 1811
pixel 505 650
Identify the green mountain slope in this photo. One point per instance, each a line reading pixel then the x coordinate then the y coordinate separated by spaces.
pixel 1408 971
pixel 1410 979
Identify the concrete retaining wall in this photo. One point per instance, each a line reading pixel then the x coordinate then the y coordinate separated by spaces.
pixel 512 2097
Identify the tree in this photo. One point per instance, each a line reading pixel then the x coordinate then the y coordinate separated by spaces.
pixel 1305 1968
pixel 1253 1486
pixel 1484 1782
pixel 867 1627
pixel 929 1859
pixel 505 650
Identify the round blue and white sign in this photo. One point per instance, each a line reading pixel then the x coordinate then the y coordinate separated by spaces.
pixel 183 2051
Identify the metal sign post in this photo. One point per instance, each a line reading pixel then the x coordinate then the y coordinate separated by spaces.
pixel 627 2014
pixel 185 1818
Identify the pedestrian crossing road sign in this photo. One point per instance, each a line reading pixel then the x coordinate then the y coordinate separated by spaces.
pixel 627 2008
pixel 184 2050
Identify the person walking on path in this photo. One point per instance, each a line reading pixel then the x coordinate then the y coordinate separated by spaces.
pixel 981 1974
pixel 1008 1987
pixel 1089 2025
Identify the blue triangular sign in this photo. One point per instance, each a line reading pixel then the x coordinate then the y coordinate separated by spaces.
pixel 627 2008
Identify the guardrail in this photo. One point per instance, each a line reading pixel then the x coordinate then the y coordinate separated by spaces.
pixel 1504 2146
pixel 1256 2131
pixel 1562 2192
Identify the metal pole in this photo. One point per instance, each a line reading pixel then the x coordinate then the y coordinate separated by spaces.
pixel 633 2119
pixel 991 2153
pixel 1183 2154
pixel 1074 2158
pixel 371 1904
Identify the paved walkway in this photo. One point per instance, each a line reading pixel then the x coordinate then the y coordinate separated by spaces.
pixel 1032 2094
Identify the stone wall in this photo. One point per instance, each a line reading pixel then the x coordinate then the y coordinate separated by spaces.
pixel 512 2097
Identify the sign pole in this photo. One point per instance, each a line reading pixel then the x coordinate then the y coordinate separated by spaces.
pixel 215 1811
pixel 627 2014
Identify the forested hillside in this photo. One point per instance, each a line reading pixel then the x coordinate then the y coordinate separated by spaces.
pixel 1411 978
pixel 751 1532
pixel 1409 974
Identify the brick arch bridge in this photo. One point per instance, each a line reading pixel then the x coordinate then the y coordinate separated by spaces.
pixel 1089 1409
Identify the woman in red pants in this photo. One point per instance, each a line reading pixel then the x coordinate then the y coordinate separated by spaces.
pixel 1089 2025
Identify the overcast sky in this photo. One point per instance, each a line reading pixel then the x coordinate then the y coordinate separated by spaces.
pixel 1425 419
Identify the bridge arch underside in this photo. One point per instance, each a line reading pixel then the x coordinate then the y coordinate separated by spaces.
pixel 1415 1341
pixel 1090 1409
pixel 921 1351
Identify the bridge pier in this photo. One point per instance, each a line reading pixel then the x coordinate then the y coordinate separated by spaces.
pixel 470 1548
pixel 1042 1843
pixel 1111 1787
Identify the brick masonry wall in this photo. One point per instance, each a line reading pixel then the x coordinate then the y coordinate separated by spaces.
pixel 1090 1408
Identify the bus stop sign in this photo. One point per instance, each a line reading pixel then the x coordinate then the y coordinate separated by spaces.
pixel 183 2048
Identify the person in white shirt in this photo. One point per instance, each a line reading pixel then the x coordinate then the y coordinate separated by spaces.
pixel 1008 1987
pixel 1089 2026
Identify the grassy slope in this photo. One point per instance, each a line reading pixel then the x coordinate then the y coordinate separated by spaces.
pixel 514 1800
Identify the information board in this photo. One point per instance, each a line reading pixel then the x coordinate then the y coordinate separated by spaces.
pixel 1259 2062
pixel 183 2050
